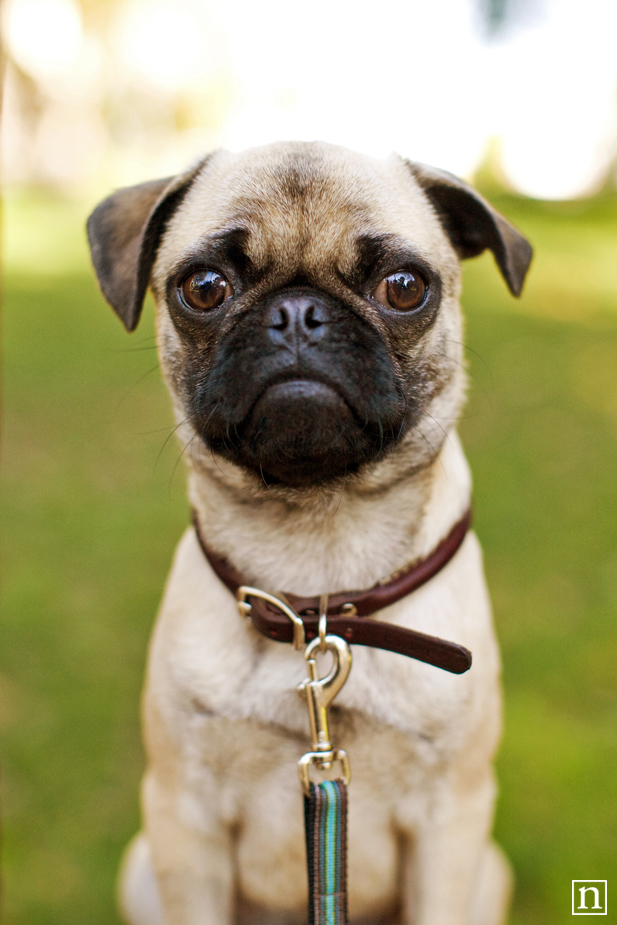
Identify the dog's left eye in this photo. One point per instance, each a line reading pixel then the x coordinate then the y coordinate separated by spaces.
pixel 205 290
pixel 403 290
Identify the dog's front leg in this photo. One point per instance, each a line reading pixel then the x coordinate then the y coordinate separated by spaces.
pixel 447 851
pixel 191 850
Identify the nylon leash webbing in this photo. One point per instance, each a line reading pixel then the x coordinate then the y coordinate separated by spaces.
pixel 325 822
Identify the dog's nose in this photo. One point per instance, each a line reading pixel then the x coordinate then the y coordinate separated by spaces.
pixel 296 319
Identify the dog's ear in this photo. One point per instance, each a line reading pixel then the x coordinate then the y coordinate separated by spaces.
pixel 473 225
pixel 124 232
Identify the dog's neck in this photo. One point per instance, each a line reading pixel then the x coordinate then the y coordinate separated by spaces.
pixel 351 542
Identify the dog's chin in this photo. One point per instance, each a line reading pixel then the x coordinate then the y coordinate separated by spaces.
pixel 301 434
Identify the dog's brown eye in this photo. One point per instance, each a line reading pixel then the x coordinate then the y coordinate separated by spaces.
pixel 204 290
pixel 403 290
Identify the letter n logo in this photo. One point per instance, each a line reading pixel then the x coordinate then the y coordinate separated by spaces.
pixel 589 897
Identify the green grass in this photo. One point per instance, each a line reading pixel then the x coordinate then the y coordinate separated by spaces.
pixel 91 514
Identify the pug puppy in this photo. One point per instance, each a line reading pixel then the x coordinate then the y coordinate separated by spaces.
pixel 310 335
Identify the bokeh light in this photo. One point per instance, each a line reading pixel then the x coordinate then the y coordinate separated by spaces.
pixel 44 36
pixel 136 87
pixel 169 44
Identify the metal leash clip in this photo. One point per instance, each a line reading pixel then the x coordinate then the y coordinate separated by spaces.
pixel 319 693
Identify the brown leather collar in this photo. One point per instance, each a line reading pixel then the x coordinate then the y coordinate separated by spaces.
pixel 346 609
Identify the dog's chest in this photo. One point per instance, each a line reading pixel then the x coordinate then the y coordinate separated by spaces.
pixel 247 767
pixel 229 699
pixel 258 681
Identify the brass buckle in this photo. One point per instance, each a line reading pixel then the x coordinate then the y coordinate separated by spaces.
pixel 278 600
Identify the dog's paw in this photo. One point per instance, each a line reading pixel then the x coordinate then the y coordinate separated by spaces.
pixel 138 892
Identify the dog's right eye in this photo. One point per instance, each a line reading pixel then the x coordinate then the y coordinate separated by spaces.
pixel 205 290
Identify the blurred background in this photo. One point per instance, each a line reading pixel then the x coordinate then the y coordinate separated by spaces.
pixel 519 97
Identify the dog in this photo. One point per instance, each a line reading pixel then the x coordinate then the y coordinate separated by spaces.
pixel 310 334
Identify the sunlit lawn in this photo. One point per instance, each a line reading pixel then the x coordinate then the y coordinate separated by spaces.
pixel 93 506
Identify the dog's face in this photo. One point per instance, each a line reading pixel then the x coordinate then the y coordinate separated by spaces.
pixel 308 305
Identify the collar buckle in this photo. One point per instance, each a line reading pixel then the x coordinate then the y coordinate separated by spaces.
pixel 277 600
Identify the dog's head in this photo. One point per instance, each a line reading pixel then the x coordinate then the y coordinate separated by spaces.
pixel 307 304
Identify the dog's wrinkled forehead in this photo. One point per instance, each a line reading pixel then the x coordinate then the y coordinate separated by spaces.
pixel 303 210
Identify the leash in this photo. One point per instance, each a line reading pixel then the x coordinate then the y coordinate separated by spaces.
pixel 325 825
pixel 329 624
pixel 325 803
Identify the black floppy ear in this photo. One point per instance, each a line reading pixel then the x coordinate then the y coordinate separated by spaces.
pixel 473 225
pixel 124 232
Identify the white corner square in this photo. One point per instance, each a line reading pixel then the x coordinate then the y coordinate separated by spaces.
pixel 589 897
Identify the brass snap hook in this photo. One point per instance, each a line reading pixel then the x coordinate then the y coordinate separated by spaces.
pixel 320 692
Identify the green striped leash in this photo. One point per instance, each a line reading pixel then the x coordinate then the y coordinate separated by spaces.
pixel 325 822
pixel 325 803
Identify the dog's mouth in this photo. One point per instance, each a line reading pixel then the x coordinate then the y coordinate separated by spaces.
pixel 298 390
pixel 299 431
pixel 292 396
